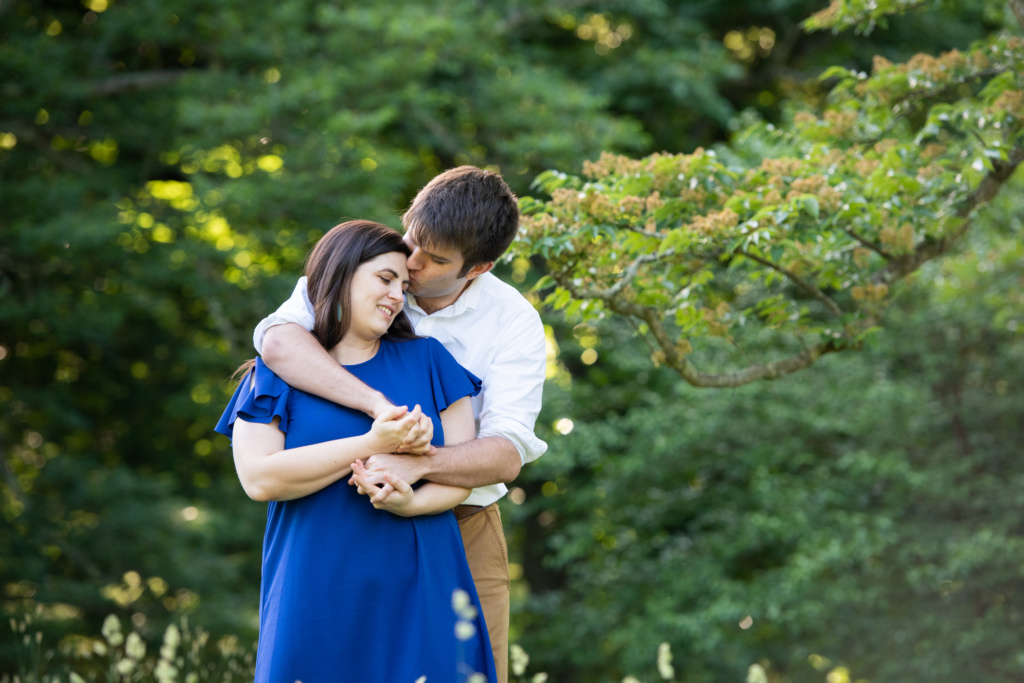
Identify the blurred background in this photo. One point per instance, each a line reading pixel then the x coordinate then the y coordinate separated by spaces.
pixel 164 168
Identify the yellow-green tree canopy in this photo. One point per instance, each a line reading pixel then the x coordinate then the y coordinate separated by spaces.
pixel 800 234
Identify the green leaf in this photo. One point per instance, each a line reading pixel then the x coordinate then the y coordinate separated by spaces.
pixel 543 283
pixel 809 205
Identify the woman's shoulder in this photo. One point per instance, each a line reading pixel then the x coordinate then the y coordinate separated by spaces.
pixel 259 397
pixel 266 380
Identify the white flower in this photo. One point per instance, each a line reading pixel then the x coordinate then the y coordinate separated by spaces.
pixel 460 599
pixel 665 668
pixel 462 606
pixel 165 673
pixel 756 674
pixel 519 659
pixel 135 647
pixel 464 630
pixel 112 630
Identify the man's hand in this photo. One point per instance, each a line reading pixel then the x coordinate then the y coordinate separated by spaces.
pixel 408 468
pixel 393 495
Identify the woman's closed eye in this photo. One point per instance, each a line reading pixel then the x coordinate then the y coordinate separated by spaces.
pixel 387 280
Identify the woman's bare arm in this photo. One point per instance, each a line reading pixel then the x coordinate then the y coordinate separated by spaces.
pixel 269 471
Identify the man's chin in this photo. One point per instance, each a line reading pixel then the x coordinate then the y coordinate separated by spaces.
pixel 416 290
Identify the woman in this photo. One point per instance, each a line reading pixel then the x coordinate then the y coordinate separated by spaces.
pixel 349 592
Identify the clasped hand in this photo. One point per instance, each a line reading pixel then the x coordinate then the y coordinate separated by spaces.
pixel 401 430
pixel 393 494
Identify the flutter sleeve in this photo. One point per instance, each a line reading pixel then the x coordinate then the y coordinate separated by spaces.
pixel 257 401
pixel 450 380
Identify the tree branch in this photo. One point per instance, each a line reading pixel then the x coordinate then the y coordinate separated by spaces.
pixel 988 188
pixel 870 245
pixel 1018 11
pixel 752 373
pixel 913 96
pixel 139 80
pixel 616 289
pixel 797 280
pixel 760 371
pixel 688 371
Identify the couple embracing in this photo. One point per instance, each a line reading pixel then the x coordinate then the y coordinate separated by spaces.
pixel 403 371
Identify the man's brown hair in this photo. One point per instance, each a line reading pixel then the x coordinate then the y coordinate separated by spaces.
pixel 467 209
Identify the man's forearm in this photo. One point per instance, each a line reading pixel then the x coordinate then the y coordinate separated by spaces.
pixel 479 462
pixel 297 357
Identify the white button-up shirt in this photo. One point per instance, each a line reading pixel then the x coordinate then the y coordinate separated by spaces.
pixel 493 332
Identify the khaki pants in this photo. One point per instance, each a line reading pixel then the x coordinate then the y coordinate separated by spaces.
pixel 488 562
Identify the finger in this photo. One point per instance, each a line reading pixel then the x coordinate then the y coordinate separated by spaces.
pixel 392 413
pixel 411 419
pixel 424 431
pixel 359 484
pixel 357 471
pixel 414 440
pixel 428 424
pixel 397 484
pixel 374 479
pixel 366 488
pixel 382 493
pixel 418 430
pixel 423 440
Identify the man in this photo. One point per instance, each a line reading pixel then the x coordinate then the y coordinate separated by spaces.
pixel 459 224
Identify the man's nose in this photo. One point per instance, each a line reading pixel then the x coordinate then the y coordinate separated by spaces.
pixel 414 262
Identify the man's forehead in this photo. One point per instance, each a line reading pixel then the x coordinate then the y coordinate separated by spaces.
pixel 425 242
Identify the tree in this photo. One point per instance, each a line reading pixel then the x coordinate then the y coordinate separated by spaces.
pixel 859 519
pixel 165 167
pixel 799 235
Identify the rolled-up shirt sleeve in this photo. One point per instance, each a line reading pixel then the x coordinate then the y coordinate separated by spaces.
pixel 296 309
pixel 514 384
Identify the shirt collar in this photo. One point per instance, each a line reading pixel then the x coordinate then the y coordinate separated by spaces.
pixel 467 301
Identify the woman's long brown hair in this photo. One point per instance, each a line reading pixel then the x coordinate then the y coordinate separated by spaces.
pixel 329 270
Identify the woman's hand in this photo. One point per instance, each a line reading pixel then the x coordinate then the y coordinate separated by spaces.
pixel 417 441
pixel 394 495
pixel 392 427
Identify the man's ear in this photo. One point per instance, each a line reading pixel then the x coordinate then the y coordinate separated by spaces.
pixel 479 269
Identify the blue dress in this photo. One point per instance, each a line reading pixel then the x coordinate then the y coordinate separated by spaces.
pixel 350 593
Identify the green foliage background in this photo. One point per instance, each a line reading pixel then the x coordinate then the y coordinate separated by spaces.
pixel 165 166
